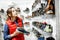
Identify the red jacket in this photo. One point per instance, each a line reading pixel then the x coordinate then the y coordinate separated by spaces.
pixel 12 28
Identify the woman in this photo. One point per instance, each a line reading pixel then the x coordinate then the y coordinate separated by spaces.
pixel 10 28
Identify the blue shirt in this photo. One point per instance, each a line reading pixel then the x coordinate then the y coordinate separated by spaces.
pixel 6 32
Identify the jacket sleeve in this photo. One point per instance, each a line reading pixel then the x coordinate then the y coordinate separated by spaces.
pixel 6 32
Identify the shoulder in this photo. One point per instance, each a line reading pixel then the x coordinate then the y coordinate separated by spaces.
pixel 5 26
pixel 19 19
pixel 8 21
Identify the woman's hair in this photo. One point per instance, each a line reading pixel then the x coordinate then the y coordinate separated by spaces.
pixel 9 11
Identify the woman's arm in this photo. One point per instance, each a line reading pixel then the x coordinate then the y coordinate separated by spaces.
pixel 6 32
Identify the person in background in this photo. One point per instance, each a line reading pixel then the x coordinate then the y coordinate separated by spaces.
pixel 10 27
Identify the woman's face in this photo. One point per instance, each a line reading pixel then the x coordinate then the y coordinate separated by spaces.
pixel 14 13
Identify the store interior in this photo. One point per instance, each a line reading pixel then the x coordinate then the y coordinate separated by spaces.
pixel 40 23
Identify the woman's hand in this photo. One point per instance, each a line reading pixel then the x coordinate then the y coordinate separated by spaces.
pixel 15 33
